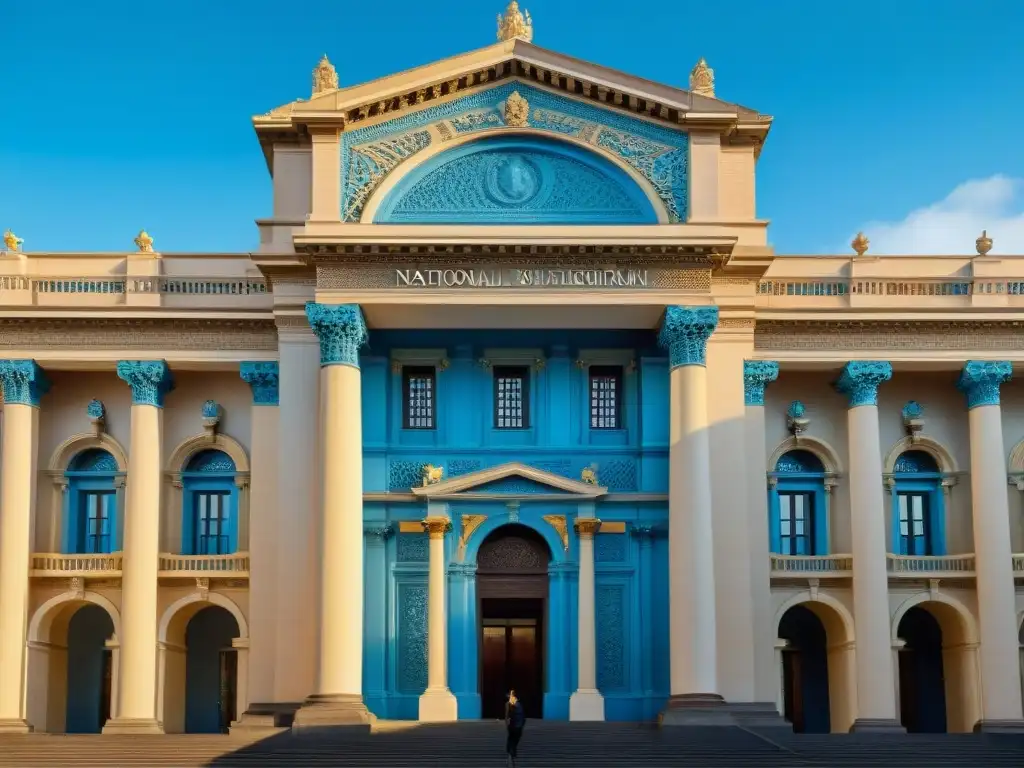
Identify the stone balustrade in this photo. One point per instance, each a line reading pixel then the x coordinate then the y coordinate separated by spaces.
pixel 916 566
pixel 233 566
pixel 50 564
pixel 814 566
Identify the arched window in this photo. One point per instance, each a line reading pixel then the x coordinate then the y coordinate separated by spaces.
pixel 210 514
pixel 90 503
pixel 918 505
pixel 798 517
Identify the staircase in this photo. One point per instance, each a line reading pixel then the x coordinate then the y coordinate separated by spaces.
pixel 481 744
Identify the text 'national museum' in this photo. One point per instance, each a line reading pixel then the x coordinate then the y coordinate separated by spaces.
pixel 513 394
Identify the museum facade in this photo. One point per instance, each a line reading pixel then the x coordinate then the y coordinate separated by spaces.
pixel 513 394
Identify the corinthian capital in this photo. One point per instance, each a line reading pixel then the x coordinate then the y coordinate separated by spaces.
pixel 150 380
pixel 981 380
pixel 23 381
pixel 757 374
pixel 263 379
pixel 685 332
pixel 860 380
pixel 341 330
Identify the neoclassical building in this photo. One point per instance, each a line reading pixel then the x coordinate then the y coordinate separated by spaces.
pixel 513 393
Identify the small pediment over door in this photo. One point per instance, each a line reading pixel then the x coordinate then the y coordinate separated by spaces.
pixel 511 481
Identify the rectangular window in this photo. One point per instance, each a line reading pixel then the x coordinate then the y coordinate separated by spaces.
pixel 605 397
pixel 97 530
pixel 419 398
pixel 796 523
pixel 915 533
pixel 511 397
pixel 213 523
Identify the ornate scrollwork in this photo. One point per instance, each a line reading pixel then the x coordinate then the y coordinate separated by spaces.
pixel 340 329
pixel 685 332
pixel 860 380
pixel 150 380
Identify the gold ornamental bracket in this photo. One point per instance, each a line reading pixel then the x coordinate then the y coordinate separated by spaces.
pixel 560 524
pixel 469 524
pixel 515 24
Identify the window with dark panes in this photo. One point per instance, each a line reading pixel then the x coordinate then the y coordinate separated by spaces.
pixel 605 397
pixel 420 397
pixel 511 397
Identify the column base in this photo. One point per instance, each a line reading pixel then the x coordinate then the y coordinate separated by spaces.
pixel 703 709
pixel 586 705
pixel 261 717
pixel 999 726
pixel 132 726
pixel 757 715
pixel 876 725
pixel 333 710
pixel 438 705
pixel 15 725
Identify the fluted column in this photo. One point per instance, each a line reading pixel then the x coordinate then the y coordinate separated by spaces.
pixel 997 615
pixel 437 704
pixel 341 331
pixel 586 702
pixel 150 381
pixel 264 524
pixel 876 702
pixel 692 636
pixel 757 374
pixel 24 384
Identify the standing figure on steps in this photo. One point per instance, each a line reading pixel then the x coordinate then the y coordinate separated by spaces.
pixel 515 719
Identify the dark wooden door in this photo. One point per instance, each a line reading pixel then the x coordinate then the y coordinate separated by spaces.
pixel 511 660
pixel 108 676
pixel 228 688
pixel 793 688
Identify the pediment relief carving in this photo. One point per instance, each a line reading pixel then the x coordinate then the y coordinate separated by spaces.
pixel 509 481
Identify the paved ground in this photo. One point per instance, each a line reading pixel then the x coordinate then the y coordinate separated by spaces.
pixel 481 745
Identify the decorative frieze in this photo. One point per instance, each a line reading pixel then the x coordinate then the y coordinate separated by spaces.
pixel 923 336
pixel 148 334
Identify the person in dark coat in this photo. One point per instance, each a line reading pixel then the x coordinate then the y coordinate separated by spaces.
pixel 515 719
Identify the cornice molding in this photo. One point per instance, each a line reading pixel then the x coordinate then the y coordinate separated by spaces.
pixel 138 333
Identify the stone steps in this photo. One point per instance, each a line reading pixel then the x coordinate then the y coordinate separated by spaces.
pixel 479 745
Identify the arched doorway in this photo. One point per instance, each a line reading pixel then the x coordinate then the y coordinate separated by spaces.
pixel 200 670
pixel 71 665
pixel 805 671
pixel 512 590
pixel 922 678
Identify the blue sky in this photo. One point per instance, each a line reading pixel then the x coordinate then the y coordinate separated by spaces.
pixel 123 115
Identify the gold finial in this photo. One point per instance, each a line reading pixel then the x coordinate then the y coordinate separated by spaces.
pixel 860 244
pixel 702 79
pixel 11 241
pixel 517 111
pixel 983 244
pixel 325 76
pixel 515 23
pixel 144 242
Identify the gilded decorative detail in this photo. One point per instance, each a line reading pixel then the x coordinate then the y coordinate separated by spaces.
pixel 983 244
pixel 432 475
pixel 437 527
pixel 559 523
pixel 11 241
pixel 702 79
pixel 860 244
pixel 143 242
pixel 469 523
pixel 589 475
pixel 586 527
pixel 325 76
pixel 367 166
pixel 517 111
pixel 515 23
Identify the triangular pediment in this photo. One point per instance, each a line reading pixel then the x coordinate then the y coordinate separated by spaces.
pixel 512 480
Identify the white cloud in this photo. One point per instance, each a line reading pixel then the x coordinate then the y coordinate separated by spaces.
pixel 950 226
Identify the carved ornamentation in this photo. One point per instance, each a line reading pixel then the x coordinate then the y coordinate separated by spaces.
pixel 143 242
pixel 94 460
pixel 263 379
pixel 860 380
pixel 515 23
pixel 517 111
pixel 559 523
pixel 412 548
pixel 437 527
pixel 412 637
pixel 589 475
pixel 610 628
pixel 150 380
pixel 685 332
pixel 23 382
pixel 341 331
pixel 915 463
pixel 457 467
pixel 325 76
pixel 515 485
pixel 76 586
pixel 619 475
pixel 403 475
pixel 12 242
pixel 860 244
pixel 796 418
pixel 212 462
pixel 659 154
pixel 586 527
pixel 757 374
pixel 913 419
pixel 468 523
pixel 378 532
pixel 142 334
pixel 983 244
pixel 211 416
pixel 432 475
pixel 512 553
pixel 610 549
pixel 203 587
pixel 97 414
pixel 980 381
pixel 702 79
pixel 886 335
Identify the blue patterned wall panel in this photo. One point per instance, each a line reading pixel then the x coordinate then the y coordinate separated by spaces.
pixel 612 666
pixel 403 475
pixel 515 485
pixel 610 548
pixel 413 548
pixel 412 638
pixel 658 153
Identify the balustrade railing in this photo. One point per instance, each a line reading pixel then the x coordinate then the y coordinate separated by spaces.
pixel 821 566
pixel 922 565
pixel 56 564
pixel 845 289
pixel 235 565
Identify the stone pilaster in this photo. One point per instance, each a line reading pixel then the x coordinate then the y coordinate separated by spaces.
pixel 586 703
pixel 437 704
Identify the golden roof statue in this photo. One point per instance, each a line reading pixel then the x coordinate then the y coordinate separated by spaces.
pixel 983 244
pixel 860 244
pixel 515 23
pixel 702 79
pixel 517 111
pixel 325 76
pixel 11 241
pixel 144 242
